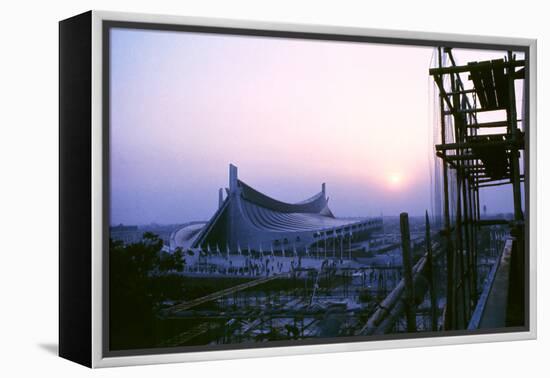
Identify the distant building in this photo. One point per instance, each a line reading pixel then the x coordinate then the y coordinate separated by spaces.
pixel 247 219
pixel 125 234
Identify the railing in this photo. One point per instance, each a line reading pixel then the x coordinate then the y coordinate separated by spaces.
pixel 496 301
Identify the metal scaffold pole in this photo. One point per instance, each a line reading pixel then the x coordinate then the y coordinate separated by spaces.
pixel 431 276
pixel 410 310
pixel 449 308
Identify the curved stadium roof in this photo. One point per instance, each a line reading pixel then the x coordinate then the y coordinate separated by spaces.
pixel 249 218
pixel 310 216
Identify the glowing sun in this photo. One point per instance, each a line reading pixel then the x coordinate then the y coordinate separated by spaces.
pixel 395 180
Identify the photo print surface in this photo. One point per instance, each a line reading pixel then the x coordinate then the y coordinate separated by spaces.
pixel 276 190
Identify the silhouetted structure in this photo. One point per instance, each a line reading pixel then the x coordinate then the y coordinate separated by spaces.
pixel 247 219
pixel 475 156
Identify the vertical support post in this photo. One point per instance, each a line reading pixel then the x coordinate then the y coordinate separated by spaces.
pixel 407 272
pixel 467 246
pixel 518 231
pixel 478 212
pixel 458 224
pixel 473 234
pixel 474 209
pixel 512 129
pixel 450 305
pixel 431 273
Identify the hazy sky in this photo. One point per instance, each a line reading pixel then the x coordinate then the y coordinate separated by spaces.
pixel 289 113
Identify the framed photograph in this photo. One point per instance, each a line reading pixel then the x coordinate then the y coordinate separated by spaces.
pixel 233 189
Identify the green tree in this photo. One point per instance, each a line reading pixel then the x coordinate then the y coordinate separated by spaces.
pixel 142 277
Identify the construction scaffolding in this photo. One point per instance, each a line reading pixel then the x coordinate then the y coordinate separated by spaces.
pixel 478 144
pixel 481 145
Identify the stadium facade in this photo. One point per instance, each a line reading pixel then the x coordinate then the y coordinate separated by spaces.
pixel 247 219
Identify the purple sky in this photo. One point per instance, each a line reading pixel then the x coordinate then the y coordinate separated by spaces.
pixel 290 114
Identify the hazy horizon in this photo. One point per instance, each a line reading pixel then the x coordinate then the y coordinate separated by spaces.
pixel 291 114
